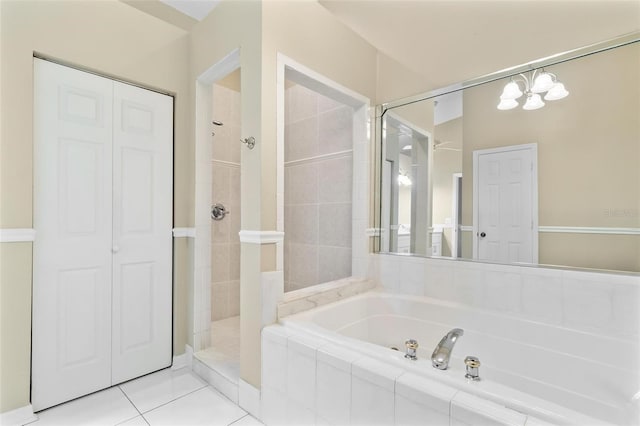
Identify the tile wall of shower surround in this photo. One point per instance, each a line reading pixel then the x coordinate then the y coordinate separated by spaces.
pixel 225 242
pixel 318 188
pixel 590 301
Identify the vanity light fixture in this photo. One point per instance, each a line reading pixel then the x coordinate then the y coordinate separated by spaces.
pixel 538 82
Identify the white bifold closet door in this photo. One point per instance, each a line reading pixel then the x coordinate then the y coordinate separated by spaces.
pixel 102 260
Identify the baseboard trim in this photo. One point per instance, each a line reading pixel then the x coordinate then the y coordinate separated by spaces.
pixel 249 398
pixel 19 416
pixel 183 360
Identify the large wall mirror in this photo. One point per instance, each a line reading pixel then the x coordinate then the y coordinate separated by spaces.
pixel 539 164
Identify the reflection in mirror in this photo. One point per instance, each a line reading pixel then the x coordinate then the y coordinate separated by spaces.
pixel 407 150
pixel 526 173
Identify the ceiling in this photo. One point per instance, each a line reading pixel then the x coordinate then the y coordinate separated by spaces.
pixel 447 42
pixel 197 9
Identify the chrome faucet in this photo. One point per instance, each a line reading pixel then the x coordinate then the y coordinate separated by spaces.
pixel 442 352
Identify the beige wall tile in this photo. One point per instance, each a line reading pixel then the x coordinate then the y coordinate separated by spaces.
pixel 302 224
pixel 335 130
pixel 303 104
pixel 302 184
pixel 334 225
pixel 303 259
pixel 334 263
pixel 335 177
pixel 219 262
pixel 301 139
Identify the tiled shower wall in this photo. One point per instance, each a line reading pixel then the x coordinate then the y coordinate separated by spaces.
pixel 318 157
pixel 225 243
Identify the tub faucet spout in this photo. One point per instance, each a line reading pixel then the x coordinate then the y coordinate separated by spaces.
pixel 442 352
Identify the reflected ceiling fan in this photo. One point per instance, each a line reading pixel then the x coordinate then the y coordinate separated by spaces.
pixel 439 145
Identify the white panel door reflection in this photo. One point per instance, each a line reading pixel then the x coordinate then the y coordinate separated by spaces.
pixel 505 205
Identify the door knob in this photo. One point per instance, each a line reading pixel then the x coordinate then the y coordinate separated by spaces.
pixel 483 234
pixel 115 249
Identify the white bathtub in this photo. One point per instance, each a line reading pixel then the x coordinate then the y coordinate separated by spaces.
pixel 540 373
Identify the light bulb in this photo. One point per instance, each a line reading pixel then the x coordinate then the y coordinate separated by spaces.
pixel 511 91
pixel 556 92
pixel 403 180
pixel 506 104
pixel 542 83
pixel 534 101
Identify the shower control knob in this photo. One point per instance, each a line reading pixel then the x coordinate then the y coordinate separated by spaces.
pixel 218 211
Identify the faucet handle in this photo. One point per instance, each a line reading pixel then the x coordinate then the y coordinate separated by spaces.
pixel 472 361
pixel 411 345
pixel 473 364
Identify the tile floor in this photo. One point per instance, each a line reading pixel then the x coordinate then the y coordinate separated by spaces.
pixel 167 397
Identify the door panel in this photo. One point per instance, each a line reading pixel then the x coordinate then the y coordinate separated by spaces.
pixel 137 194
pixel 136 327
pixel 71 342
pixel 102 262
pixel 142 239
pixel 81 175
pixel 505 206
pixel 78 323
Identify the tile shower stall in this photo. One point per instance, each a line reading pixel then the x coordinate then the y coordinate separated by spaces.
pixel 318 188
pixel 217 342
pixel 225 190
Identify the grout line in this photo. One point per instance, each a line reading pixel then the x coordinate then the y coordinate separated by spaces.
pixel 134 405
pixel 237 420
pixel 320 157
pixel 174 400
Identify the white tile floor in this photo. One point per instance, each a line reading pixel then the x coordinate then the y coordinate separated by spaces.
pixel 168 397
